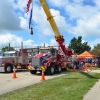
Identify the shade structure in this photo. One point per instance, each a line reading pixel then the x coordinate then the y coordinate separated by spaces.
pixel 85 54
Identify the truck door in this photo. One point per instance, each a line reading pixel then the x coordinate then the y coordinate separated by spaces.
pixel 53 55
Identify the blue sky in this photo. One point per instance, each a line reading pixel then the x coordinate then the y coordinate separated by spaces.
pixel 73 17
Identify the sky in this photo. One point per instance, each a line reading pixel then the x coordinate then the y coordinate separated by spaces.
pixel 73 18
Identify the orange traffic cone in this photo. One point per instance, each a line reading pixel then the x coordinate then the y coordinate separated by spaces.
pixel 14 74
pixel 74 69
pixel 43 77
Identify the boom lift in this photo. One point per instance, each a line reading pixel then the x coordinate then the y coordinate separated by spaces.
pixel 51 59
pixel 59 38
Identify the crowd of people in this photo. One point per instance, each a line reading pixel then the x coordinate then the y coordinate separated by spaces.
pixel 90 61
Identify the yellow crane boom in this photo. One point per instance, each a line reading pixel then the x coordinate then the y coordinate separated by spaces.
pixel 50 18
pixel 59 38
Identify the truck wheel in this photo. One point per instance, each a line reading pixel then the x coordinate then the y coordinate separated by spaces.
pixel 50 70
pixel 33 71
pixel 59 69
pixel 8 69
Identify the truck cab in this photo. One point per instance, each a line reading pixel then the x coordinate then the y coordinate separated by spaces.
pixel 7 61
pixel 10 59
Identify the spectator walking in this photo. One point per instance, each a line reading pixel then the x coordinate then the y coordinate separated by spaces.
pixel 96 62
pixel 81 64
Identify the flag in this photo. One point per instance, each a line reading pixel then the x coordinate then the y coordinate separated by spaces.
pixel 30 20
pixel 28 6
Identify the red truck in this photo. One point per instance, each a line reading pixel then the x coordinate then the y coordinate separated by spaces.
pixel 10 59
pixel 51 59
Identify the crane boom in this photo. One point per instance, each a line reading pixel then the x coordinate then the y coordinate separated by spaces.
pixel 50 18
pixel 59 38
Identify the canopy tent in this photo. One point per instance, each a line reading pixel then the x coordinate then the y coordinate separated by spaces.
pixel 86 54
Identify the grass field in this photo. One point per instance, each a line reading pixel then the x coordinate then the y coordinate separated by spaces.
pixel 72 86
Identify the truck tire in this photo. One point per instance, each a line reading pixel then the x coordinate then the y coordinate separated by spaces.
pixel 59 69
pixel 50 70
pixel 8 68
pixel 33 71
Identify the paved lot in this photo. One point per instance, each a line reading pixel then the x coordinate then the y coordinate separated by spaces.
pixel 24 78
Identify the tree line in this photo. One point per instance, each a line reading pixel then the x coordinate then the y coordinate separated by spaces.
pixel 76 44
pixel 79 47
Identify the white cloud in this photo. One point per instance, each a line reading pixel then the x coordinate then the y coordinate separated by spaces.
pixel 23 23
pixel 21 4
pixel 13 18
pixel 29 43
pixel 58 3
pixel 95 42
pixel 97 2
pixel 86 16
pixel 7 38
pixel 60 20
pixel 41 20
pixel 87 19
pixel 88 28
pixel 8 19
pixel 15 41
pixel 44 44
pixel 53 42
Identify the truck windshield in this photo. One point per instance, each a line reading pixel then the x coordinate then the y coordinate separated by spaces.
pixel 44 51
pixel 9 54
pixel 1 54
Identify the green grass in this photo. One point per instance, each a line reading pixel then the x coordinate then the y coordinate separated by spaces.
pixel 72 86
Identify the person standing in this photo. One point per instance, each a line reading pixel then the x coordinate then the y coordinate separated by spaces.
pixel 81 64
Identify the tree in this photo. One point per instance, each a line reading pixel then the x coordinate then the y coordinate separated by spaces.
pixel 7 48
pixel 78 46
pixel 96 50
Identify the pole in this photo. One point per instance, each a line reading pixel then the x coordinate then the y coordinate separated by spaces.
pixel 21 46
pixel 9 47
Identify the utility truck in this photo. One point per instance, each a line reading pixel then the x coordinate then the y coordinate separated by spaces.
pixel 51 59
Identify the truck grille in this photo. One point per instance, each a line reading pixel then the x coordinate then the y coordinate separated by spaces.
pixel 35 61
